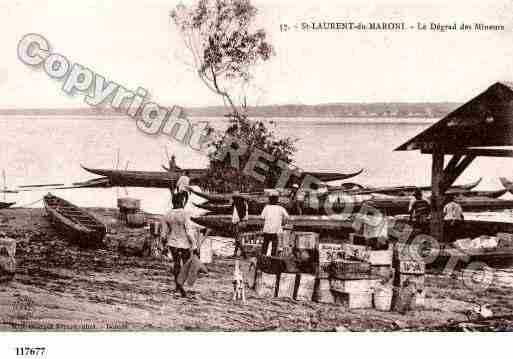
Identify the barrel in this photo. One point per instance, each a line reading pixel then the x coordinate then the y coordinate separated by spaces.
pixel 129 203
pixel 136 220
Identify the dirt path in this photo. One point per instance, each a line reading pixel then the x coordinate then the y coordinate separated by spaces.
pixel 59 286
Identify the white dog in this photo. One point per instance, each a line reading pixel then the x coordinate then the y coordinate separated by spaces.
pixel 239 290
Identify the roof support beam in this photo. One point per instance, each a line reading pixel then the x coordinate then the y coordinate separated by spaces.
pixel 486 152
pixel 452 174
pixel 437 193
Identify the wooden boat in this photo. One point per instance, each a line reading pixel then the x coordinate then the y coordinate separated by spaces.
pixel 488 194
pixel 337 204
pixel 221 224
pixel 507 184
pixel 331 176
pixel 4 205
pixel 154 179
pixel 322 176
pixel 78 225
pixel 406 190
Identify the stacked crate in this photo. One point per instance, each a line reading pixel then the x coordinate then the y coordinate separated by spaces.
pixel 289 274
pixel 410 278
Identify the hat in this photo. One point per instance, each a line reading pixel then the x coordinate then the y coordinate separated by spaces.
pixel 295 185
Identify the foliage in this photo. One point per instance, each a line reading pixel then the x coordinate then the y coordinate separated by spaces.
pixel 224 48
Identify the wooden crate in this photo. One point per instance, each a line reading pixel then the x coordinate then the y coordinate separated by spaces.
pixel 346 269
pixel 380 257
pixel 322 291
pixel 352 251
pixel 385 272
pixel 306 240
pixel 265 284
pixel 354 300
pixel 306 287
pixel 354 285
pixel 286 285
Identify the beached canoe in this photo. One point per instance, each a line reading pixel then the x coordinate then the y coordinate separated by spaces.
pixel 76 224
pixel 221 224
pixel 153 179
pixel 6 204
pixel 488 194
pixel 331 176
pixel 333 204
pixel 405 190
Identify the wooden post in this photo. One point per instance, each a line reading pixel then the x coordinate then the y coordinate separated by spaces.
pixel 437 194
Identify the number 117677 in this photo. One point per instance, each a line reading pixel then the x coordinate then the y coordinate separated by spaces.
pixel 30 351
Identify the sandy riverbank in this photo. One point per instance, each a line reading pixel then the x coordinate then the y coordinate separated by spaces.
pixel 60 286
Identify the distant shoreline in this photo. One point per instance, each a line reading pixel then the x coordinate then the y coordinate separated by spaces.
pixel 339 110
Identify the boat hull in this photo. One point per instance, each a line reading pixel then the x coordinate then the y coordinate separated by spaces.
pixel 74 223
pixel 6 204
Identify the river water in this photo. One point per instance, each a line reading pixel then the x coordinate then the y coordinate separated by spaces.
pixel 39 150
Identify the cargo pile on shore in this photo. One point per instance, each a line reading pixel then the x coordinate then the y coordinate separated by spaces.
pixel 60 286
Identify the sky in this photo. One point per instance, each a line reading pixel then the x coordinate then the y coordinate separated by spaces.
pixel 134 44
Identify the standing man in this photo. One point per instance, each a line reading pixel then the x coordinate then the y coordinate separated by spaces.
pixel 274 216
pixel 419 209
pixel 182 187
pixel 176 232
pixel 239 218
pixel 452 213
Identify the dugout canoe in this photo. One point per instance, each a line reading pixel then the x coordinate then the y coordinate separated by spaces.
pixel 4 205
pixel 331 176
pixel 488 194
pixel 74 223
pixel 338 204
pixel 405 190
pixel 221 224
pixel 153 179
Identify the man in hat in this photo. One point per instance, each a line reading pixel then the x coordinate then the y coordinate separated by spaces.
pixel 274 217
pixel 239 217
pixel 419 209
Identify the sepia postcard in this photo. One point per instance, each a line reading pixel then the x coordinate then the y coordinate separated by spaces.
pixel 254 166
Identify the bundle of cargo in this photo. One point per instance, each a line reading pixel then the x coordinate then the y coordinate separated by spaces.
pixel 7 259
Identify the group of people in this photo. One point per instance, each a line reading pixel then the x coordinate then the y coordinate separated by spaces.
pixel 420 211
pixel 178 231
pixel 274 217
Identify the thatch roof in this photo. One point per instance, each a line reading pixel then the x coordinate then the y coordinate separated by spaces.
pixel 484 121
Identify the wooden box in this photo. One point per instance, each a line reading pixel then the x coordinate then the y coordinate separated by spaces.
pixel 352 251
pixel 348 270
pixel 380 257
pixel 286 287
pixel 354 285
pixel 322 291
pixel 265 284
pixel 354 300
pixel 306 240
pixel 384 272
pixel 306 287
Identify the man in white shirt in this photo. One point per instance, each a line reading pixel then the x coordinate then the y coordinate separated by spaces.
pixel 177 233
pixel 453 213
pixel 182 188
pixel 274 216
